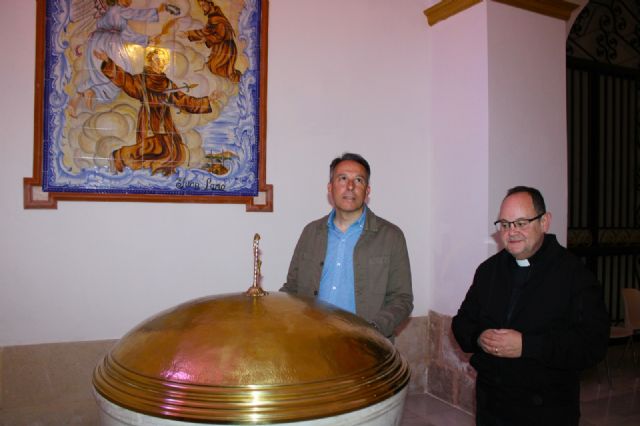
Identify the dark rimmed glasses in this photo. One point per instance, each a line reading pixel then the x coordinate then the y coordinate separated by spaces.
pixel 505 225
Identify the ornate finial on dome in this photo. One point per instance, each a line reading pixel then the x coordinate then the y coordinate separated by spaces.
pixel 255 289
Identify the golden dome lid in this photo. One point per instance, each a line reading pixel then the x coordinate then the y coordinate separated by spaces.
pixel 251 358
pixel 245 359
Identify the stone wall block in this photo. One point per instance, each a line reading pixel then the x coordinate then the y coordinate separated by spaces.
pixel 441 382
pixel 450 377
pixel 49 383
pixel 434 338
pixel 412 342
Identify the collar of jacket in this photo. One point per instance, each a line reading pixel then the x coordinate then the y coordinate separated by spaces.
pixel 371 222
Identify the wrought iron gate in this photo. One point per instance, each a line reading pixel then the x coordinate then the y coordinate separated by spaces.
pixel 604 174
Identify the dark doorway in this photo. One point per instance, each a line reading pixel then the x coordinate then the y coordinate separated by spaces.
pixel 603 107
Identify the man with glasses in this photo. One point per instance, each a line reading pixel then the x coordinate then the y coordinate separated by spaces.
pixel 533 318
pixel 352 258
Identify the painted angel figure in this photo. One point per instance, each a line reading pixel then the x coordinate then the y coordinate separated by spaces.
pixel 111 35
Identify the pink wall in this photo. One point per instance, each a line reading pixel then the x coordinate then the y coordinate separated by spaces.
pixel 342 76
pixel 527 118
pixel 458 157
pixel 363 75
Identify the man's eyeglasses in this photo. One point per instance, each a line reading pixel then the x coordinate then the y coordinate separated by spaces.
pixel 504 225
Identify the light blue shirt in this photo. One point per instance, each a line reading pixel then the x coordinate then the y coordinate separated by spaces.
pixel 337 282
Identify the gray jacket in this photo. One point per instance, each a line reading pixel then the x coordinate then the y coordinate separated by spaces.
pixel 382 275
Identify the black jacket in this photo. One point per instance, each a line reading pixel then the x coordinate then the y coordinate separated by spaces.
pixel 564 326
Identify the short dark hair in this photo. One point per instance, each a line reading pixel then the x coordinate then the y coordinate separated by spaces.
pixel 536 197
pixel 349 156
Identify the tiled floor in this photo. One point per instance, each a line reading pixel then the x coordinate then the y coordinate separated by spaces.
pixel 425 410
pixel 601 405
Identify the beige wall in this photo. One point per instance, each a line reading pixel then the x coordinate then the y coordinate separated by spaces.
pixel 49 384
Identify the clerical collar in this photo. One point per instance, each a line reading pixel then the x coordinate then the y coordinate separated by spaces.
pixel 533 259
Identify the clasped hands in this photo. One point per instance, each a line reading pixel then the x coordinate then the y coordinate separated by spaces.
pixel 504 343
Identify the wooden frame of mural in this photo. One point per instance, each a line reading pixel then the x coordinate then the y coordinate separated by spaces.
pixel 150 100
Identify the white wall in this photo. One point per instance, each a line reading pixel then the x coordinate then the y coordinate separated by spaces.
pixel 343 75
pixel 527 104
pixel 497 118
pixel 458 156
pixel 426 105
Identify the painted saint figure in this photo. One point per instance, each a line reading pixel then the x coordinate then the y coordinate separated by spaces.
pixel 218 35
pixel 112 34
pixel 158 146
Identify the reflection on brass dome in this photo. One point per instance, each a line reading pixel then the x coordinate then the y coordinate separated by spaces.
pixel 243 359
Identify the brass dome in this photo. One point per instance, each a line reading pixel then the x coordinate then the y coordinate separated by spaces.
pixel 243 359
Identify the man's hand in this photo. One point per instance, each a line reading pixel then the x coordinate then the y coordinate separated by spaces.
pixel 504 343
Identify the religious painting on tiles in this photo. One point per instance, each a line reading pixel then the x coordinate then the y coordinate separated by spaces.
pixel 150 100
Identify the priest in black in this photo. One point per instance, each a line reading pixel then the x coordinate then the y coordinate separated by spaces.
pixel 533 318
